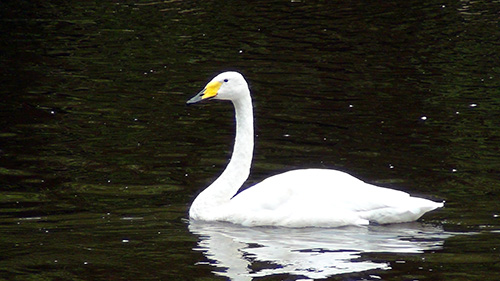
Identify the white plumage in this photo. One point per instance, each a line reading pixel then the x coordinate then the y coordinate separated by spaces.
pixel 298 198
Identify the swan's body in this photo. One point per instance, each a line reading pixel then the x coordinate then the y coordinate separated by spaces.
pixel 298 198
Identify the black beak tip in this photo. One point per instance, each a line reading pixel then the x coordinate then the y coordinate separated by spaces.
pixel 195 99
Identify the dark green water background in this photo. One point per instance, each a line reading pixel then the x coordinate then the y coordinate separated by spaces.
pixel 100 157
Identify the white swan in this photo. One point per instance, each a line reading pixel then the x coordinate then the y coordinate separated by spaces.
pixel 298 198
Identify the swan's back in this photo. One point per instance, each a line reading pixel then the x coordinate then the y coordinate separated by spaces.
pixel 321 197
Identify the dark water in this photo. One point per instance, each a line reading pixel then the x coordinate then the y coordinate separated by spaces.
pixel 100 158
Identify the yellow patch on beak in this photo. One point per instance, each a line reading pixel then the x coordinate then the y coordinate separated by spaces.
pixel 211 89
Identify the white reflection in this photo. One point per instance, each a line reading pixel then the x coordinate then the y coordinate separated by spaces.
pixel 242 253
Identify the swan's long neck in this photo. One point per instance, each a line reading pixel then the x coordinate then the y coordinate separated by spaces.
pixel 238 169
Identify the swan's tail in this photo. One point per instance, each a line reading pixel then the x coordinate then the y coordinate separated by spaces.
pixel 410 210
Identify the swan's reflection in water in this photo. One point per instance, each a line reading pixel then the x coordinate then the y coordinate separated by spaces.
pixel 242 253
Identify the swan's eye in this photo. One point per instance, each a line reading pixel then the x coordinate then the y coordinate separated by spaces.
pixel 225 80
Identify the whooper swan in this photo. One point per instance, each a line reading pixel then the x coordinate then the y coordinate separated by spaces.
pixel 297 198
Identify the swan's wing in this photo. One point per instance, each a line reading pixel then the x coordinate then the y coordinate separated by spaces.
pixel 322 197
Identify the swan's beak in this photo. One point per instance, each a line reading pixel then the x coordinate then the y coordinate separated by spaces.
pixel 210 91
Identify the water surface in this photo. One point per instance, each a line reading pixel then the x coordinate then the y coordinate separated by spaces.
pixel 100 158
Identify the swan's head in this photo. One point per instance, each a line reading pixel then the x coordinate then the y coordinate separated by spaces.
pixel 225 86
